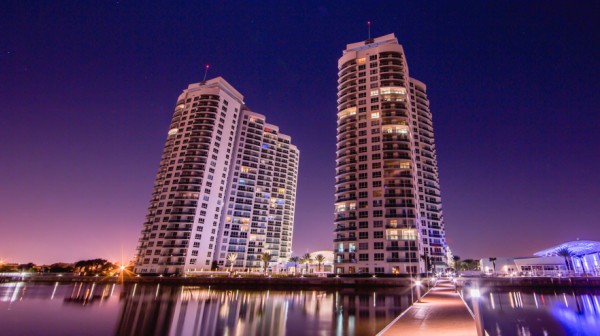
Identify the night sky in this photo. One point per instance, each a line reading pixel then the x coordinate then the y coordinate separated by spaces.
pixel 87 91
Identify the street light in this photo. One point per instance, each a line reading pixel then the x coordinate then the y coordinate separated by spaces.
pixel 475 294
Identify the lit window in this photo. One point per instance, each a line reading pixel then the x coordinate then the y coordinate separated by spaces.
pixel 405 165
pixel 374 93
pixel 375 115
pixel 361 61
pixel 409 234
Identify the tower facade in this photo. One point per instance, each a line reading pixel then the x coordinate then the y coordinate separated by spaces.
pixel 388 216
pixel 187 211
pixel 261 197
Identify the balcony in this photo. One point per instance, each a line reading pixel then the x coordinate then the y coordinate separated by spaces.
pixel 402 260
pixel 174 245
pixel 181 220
pixel 344 239
pixel 178 229
pixel 401 248
pixel 343 228
pixel 344 218
pixel 345 261
pixel 400 215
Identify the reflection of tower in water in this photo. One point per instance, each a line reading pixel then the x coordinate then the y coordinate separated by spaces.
pixel 373 309
pixel 147 310
pixel 185 310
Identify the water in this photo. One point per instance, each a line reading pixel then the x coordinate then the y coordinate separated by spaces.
pixel 536 312
pixel 107 309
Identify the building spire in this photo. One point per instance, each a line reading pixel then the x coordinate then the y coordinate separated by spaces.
pixel 369 29
pixel 205 72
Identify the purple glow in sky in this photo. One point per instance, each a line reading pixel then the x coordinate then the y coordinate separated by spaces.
pixel 87 92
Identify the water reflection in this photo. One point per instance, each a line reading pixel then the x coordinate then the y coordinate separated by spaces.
pixel 133 309
pixel 538 312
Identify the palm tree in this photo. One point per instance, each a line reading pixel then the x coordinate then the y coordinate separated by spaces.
pixel 231 257
pixel 319 258
pixel 265 257
pixel 302 262
pixel 307 260
pixel 493 261
pixel 565 253
pixel 456 260
pixel 295 260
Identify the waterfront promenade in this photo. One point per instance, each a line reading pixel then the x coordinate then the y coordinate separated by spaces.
pixel 252 282
pixel 440 312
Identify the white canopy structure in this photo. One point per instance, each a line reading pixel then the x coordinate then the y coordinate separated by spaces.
pixel 577 248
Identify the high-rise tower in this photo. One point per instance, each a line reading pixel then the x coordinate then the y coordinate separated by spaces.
pixel 261 196
pixel 199 175
pixel 388 216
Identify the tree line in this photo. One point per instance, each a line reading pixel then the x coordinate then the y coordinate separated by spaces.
pixel 81 267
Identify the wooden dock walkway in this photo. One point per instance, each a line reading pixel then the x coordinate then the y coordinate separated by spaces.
pixel 440 312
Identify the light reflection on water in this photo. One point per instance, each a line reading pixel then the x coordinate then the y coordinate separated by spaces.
pixel 547 312
pixel 105 309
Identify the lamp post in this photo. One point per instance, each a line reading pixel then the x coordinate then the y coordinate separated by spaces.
pixel 476 301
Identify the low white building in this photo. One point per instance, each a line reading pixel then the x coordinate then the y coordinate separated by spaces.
pixel 580 257
pixel 500 266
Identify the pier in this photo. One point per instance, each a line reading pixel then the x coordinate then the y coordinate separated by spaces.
pixel 439 312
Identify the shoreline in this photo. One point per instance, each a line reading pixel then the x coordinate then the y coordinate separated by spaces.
pixel 244 282
pixel 529 282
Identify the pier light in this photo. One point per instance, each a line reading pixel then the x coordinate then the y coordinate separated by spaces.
pixel 475 293
pixel 418 282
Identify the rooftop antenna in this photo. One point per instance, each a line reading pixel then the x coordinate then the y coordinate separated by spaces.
pixel 369 28
pixel 205 72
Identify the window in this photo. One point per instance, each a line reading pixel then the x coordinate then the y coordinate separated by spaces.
pixel 363 257
pixel 378 234
pixel 378 256
pixel 378 245
pixel 363 235
pixel 409 234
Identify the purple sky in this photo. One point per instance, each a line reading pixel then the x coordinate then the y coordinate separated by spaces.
pixel 87 92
